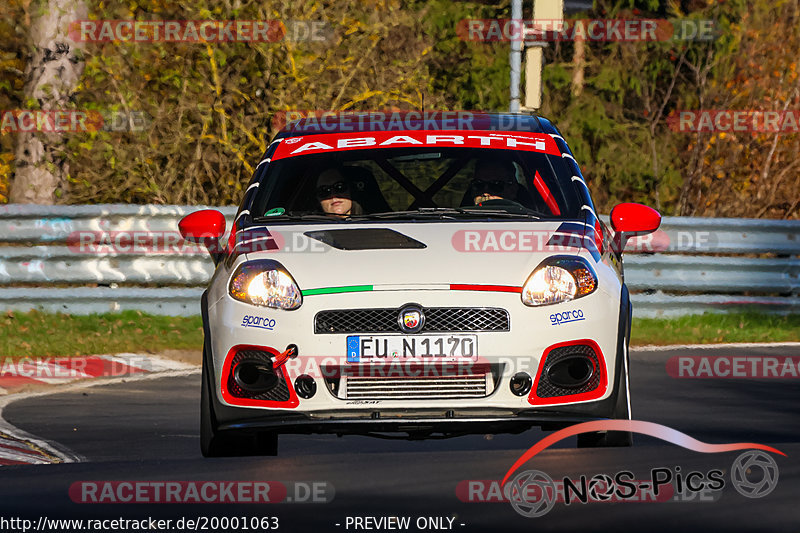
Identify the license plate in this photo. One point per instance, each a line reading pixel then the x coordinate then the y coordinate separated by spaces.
pixel 361 348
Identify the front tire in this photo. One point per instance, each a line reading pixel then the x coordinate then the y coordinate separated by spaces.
pixel 622 411
pixel 211 443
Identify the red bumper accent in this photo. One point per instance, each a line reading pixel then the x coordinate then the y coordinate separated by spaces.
pixel 292 402
pixel 594 394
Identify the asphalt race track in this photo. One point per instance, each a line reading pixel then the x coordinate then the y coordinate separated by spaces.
pixel 148 431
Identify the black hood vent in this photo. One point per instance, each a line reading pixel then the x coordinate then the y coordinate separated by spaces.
pixel 365 239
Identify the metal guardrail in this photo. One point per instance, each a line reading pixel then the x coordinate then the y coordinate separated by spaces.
pixel 59 264
pixel 725 236
pixel 733 275
pixel 39 243
pixel 45 224
pixel 96 300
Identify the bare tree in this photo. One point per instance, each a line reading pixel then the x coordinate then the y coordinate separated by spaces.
pixel 578 63
pixel 54 68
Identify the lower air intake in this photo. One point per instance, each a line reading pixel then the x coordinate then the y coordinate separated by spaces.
pixel 563 374
pixel 279 393
pixel 417 388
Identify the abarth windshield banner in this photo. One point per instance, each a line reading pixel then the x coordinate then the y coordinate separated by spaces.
pixel 335 142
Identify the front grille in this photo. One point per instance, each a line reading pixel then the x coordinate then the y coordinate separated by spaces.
pixel 416 388
pixel 437 319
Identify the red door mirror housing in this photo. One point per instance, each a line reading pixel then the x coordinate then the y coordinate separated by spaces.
pixel 634 219
pixel 202 226
pixel 631 220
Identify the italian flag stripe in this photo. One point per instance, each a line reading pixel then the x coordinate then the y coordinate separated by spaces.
pixel 489 288
pixel 335 290
pixel 370 288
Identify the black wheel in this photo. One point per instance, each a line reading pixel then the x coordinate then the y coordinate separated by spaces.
pixel 622 410
pixel 215 443
pixel 211 443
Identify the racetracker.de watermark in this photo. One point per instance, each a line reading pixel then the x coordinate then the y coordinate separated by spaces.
pixel 385 364
pixel 733 367
pixel 199 31
pixel 597 489
pixel 600 30
pixel 69 368
pixel 675 241
pixel 734 121
pixel 214 492
pixel 515 241
pixel 13 121
pixel 144 242
pixel 323 120
pixel 526 241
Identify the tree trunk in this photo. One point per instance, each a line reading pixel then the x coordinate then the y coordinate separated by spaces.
pixel 579 64
pixel 53 71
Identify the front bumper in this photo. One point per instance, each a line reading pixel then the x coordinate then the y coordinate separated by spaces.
pixel 522 348
pixel 422 427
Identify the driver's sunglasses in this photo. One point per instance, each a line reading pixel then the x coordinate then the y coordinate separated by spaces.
pixel 494 187
pixel 330 191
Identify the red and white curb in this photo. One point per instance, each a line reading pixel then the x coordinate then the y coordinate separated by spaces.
pixel 16 450
pixel 18 447
pixel 16 373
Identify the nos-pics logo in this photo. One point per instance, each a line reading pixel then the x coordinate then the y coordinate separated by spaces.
pixel 533 493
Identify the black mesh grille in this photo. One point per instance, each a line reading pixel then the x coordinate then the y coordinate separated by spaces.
pixel 437 319
pixel 545 389
pixel 280 393
pixel 356 321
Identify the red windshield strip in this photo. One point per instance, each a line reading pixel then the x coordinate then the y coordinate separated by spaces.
pixel 339 142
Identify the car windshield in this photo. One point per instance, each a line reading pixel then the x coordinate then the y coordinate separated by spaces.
pixel 398 183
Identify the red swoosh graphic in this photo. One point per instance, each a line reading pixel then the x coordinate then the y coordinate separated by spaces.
pixel 635 426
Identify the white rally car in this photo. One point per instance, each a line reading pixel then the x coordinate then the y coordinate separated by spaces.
pixel 412 279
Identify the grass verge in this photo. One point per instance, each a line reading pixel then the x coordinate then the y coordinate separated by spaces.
pixel 37 334
pixel 716 327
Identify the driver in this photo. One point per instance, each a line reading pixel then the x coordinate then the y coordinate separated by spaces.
pixel 493 180
pixel 334 194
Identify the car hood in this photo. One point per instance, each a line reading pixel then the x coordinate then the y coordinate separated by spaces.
pixel 415 254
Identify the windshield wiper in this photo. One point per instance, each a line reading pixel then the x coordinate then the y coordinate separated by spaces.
pixel 299 216
pixel 445 212
pixel 427 212
pixel 523 212
pixel 442 213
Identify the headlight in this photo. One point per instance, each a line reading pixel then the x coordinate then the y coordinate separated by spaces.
pixel 559 279
pixel 265 283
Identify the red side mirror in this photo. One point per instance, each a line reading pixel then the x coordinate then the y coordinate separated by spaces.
pixel 634 219
pixel 202 225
